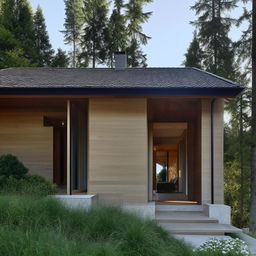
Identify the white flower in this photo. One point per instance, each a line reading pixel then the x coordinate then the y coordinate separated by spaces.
pixel 236 246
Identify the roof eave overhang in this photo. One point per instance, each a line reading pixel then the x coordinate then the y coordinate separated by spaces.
pixel 225 92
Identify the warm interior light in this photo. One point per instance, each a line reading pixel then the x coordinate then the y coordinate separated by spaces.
pixel 178 202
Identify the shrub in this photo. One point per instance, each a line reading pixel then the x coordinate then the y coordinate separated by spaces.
pixel 224 247
pixel 43 226
pixel 30 184
pixel 11 166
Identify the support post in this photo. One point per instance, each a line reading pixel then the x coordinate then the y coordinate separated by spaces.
pixel 68 150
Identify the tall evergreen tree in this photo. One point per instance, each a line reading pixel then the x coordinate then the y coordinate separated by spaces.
pixel 244 44
pixel 16 33
pixel 237 153
pixel 117 40
pixel 60 60
pixel 194 55
pixel 95 32
pixel 213 28
pixel 136 17
pixel 253 186
pixel 43 47
pixel 73 25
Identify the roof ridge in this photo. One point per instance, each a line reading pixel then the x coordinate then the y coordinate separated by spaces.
pixel 219 77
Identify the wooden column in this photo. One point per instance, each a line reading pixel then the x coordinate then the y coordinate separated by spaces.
pixel 218 151
pixel 206 151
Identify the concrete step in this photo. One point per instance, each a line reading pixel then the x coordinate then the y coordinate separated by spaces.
pixel 199 228
pixel 198 240
pixel 183 217
pixel 179 207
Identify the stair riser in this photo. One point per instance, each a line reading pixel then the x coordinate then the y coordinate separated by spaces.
pixel 196 233
pixel 185 221
pixel 180 208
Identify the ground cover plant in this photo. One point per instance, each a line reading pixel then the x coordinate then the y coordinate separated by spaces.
pixel 224 247
pixel 253 234
pixel 15 179
pixel 40 225
pixel 43 226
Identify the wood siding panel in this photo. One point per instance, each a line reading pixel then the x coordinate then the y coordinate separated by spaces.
pixel 118 152
pixel 22 134
pixel 218 151
pixel 206 150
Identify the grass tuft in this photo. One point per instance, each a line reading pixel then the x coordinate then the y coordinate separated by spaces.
pixel 43 226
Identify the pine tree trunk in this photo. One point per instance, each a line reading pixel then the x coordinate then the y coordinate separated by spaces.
pixel 253 185
pixel 94 56
pixel 241 144
pixel 74 54
pixel 215 46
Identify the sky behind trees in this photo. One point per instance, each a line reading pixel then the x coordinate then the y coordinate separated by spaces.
pixel 168 26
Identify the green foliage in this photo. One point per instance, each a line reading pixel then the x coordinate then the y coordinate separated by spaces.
pixel 14 58
pixel 194 55
pixel 224 247
pixel 244 44
pixel 60 60
pixel 136 17
pixel 30 184
pixel 33 226
pixel 73 25
pixel 95 32
pixel 11 166
pixel 21 25
pixel 24 41
pixel 136 57
pixel 10 53
pixel 213 27
pixel 96 36
pixel 161 176
pixel 237 147
pixel 118 34
pixel 252 234
pixel 43 48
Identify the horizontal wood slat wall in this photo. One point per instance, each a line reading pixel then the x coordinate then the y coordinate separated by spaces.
pixel 118 149
pixel 22 134
pixel 218 151
pixel 206 151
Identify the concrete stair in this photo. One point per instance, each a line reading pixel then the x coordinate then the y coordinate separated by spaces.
pixel 189 220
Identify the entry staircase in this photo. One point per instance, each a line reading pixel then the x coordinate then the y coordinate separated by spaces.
pixel 183 219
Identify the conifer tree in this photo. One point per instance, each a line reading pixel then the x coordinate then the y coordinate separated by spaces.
pixel 194 55
pixel 95 32
pixel 73 26
pixel 136 17
pixel 16 34
pixel 213 27
pixel 253 176
pixel 118 37
pixel 60 60
pixel 43 48
pixel 244 44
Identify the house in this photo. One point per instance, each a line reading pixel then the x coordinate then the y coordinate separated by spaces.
pixel 129 135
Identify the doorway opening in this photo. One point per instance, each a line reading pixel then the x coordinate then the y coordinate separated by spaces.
pixel 59 126
pixel 169 161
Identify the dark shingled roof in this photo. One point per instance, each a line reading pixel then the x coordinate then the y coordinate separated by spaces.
pixel 106 78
